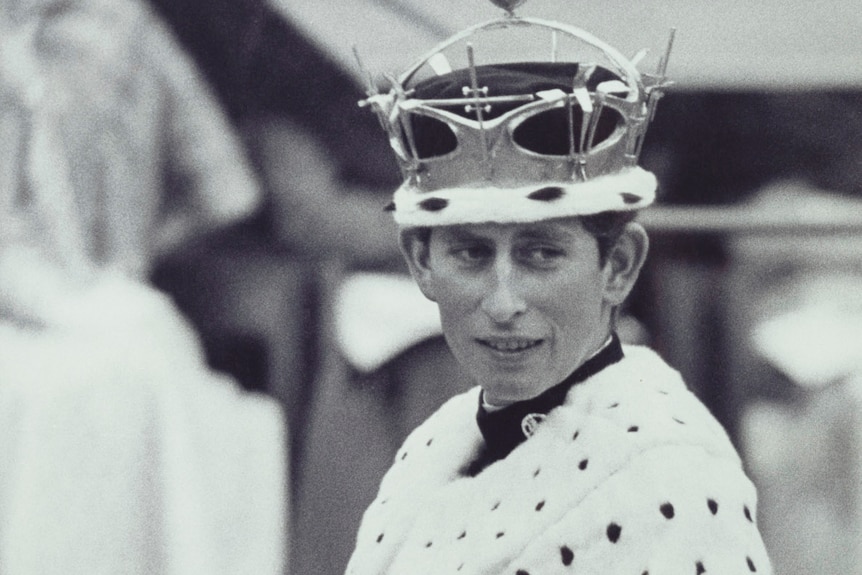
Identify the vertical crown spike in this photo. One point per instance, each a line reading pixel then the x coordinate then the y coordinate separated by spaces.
pixel 570 121
pixel 476 93
pixel 554 45
pixel 664 60
pixel 370 87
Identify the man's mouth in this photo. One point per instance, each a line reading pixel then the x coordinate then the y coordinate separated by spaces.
pixel 510 344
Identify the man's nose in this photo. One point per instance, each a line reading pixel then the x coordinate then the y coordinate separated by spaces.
pixel 502 301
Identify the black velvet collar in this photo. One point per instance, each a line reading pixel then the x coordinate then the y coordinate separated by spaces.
pixel 503 429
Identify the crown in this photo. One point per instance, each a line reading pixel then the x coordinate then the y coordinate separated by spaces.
pixel 519 119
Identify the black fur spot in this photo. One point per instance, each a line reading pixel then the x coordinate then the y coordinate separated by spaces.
pixel 633 428
pixel 629 198
pixel 380 538
pixel 496 505
pixel 433 204
pixel 751 566
pixel 566 555
pixel 500 534
pixel 539 505
pixel 583 464
pixel 713 505
pixel 522 572
pixel 390 207
pixel 700 568
pixel 548 194
pixel 462 535
pixel 667 510
pixel 614 532
pixel 747 513
pixel 575 436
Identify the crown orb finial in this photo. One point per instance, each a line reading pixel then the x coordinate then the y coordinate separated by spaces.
pixel 508 5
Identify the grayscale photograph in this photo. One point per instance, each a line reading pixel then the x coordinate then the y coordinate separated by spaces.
pixel 430 287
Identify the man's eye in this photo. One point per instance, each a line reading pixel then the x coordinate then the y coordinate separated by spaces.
pixel 541 254
pixel 471 254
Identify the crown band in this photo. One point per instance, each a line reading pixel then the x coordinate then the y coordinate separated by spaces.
pixel 630 189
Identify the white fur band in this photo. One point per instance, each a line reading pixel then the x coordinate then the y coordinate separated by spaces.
pixel 631 189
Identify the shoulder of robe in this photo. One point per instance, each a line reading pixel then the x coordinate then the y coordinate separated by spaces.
pixel 642 403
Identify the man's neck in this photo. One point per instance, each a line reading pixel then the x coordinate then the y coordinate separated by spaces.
pixel 492 407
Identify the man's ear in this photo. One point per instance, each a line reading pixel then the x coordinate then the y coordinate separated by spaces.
pixel 415 246
pixel 624 262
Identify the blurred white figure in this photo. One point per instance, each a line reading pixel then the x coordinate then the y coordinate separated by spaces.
pixel 121 130
pixel 121 452
pixel 804 440
pixel 805 451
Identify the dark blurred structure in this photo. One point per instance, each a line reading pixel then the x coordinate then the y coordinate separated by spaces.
pixel 271 80
pixel 721 148
pixel 724 145
pixel 259 64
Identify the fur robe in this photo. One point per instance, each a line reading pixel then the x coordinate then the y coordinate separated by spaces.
pixel 631 475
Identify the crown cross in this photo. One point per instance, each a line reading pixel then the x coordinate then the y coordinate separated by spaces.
pixel 480 99
pixel 508 5
pixel 476 99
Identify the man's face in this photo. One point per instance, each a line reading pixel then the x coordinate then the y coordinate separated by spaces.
pixel 522 305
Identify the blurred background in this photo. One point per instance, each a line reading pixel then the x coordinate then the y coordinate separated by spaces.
pixel 210 350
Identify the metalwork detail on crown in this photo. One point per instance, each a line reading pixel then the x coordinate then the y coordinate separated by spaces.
pixel 598 109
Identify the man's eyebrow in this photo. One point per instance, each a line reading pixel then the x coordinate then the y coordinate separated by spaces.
pixel 556 233
pixel 463 234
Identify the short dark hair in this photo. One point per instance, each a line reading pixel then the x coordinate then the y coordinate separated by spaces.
pixel 606 227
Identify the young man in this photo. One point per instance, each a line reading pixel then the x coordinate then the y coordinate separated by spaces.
pixel 573 453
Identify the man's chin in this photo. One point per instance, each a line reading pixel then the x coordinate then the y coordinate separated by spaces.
pixel 507 392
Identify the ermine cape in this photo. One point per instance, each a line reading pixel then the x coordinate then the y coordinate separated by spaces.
pixel 631 475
